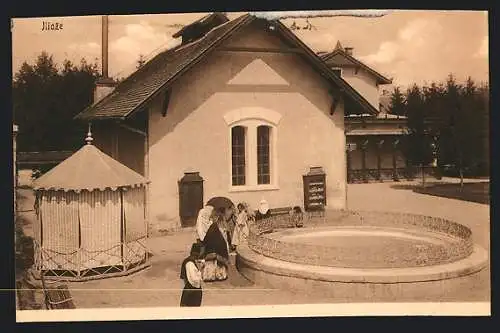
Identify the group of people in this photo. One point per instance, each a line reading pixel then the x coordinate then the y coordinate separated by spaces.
pixel 218 232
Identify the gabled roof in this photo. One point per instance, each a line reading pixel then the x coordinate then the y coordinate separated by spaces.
pixel 160 72
pixel 88 169
pixel 346 59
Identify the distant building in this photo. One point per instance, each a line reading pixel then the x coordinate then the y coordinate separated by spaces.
pixel 374 141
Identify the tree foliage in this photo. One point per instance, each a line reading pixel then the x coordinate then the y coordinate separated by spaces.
pixel 45 100
pixel 397 105
pixel 455 114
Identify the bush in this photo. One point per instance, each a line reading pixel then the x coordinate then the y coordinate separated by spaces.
pixel 24 250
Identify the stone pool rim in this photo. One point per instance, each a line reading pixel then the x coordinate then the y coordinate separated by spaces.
pixel 249 259
pixel 261 241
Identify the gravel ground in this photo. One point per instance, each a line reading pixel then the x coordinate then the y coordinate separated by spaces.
pixel 159 285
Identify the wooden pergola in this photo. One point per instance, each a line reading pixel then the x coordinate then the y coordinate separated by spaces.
pixel 375 150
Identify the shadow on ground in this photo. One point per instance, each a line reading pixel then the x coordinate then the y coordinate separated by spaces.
pixel 403 186
pixel 473 192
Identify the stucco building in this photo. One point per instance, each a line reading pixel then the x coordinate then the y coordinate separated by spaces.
pixel 244 103
pixel 374 141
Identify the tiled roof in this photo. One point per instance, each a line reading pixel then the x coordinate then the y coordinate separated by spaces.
pixel 208 20
pixel 141 85
pixel 139 88
pixel 346 59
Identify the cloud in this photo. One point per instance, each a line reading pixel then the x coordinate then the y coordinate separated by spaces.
pixel 410 46
pixel 317 41
pixel 91 48
pixel 91 51
pixel 420 41
pixel 139 39
pixel 386 53
pixel 413 29
pixel 414 38
pixel 483 49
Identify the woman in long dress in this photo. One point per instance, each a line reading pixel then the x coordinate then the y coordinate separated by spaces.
pixel 216 248
pixel 192 293
pixel 240 232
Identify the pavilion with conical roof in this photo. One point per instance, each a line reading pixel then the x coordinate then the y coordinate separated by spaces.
pixel 91 219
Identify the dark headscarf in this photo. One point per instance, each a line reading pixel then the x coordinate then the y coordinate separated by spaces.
pixel 214 242
pixel 193 256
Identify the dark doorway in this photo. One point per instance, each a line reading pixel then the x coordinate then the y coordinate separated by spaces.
pixel 190 198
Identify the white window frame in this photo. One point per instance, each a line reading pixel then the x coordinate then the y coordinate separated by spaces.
pixel 251 118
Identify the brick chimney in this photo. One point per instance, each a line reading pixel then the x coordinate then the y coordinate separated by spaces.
pixel 104 85
pixel 348 50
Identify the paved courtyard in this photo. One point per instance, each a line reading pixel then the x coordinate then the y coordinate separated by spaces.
pixel 160 285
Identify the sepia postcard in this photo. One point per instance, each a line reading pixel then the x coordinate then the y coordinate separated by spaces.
pixel 251 164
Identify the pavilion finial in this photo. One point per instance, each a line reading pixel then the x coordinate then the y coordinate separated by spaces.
pixel 338 46
pixel 89 138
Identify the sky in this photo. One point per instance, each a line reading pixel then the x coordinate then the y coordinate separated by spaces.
pixel 408 46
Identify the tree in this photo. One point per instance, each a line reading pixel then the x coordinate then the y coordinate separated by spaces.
pixel 454 113
pixel 472 128
pixel 397 106
pixel 418 143
pixel 483 137
pixel 457 115
pixel 45 100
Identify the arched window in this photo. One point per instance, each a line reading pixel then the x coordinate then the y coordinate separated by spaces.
pixel 238 155
pixel 263 154
pixel 253 135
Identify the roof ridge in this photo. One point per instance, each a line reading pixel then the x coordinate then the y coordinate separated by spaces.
pixel 150 85
pixel 354 93
pixel 149 64
pixel 184 64
pixel 200 20
pixel 352 58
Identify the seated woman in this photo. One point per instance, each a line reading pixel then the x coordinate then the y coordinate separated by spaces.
pixel 263 212
pixel 216 248
pixel 297 216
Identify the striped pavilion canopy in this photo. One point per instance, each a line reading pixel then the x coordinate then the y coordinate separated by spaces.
pixel 89 169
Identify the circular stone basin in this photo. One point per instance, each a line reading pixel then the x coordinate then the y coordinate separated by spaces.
pixel 358 247
pixel 367 247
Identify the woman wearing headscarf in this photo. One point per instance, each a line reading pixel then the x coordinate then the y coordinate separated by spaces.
pixel 263 212
pixel 203 222
pixel 216 248
pixel 192 293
